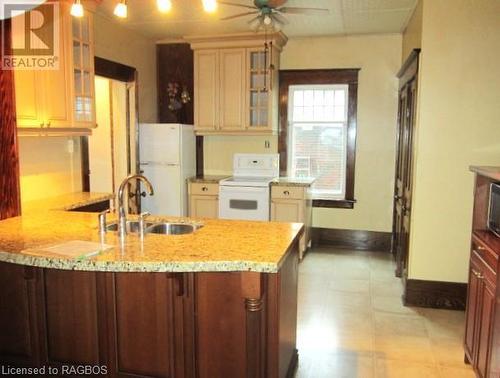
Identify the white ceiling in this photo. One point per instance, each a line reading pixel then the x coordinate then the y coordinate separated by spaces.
pixel 188 18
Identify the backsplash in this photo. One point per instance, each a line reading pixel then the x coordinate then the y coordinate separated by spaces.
pixel 219 150
pixel 49 166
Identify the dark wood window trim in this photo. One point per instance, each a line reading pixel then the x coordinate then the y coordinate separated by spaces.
pixel 322 76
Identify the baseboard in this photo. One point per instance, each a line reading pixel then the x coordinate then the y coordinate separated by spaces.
pixel 352 239
pixel 435 294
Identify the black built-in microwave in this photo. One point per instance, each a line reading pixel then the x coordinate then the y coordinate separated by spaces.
pixel 494 210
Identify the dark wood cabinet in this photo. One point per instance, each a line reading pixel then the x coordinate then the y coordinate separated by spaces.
pixel 70 311
pixel 482 333
pixel 143 325
pixel 19 334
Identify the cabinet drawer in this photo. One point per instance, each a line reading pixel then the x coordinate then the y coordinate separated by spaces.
pixel 287 192
pixel 486 254
pixel 202 189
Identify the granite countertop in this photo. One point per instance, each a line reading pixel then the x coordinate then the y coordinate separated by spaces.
pixel 220 245
pixel 65 201
pixel 294 181
pixel 283 181
pixel 207 179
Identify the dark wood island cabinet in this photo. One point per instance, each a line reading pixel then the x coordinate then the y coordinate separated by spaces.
pixel 151 324
pixel 482 333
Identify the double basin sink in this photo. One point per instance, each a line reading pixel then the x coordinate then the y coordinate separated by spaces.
pixel 161 228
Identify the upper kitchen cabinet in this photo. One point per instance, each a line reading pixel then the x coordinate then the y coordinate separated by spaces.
pixel 236 83
pixel 60 98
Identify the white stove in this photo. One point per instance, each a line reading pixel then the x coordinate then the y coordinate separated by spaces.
pixel 246 194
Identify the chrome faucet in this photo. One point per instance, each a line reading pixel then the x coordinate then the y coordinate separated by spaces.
pixel 122 217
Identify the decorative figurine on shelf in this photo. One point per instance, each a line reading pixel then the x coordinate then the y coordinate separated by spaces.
pixel 176 100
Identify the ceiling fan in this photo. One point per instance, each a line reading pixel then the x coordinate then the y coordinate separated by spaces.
pixel 270 14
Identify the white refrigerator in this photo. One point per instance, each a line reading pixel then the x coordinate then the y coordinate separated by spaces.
pixel 167 158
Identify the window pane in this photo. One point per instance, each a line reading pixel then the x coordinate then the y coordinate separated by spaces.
pixel 340 98
pixel 319 150
pixel 298 98
pixel 308 98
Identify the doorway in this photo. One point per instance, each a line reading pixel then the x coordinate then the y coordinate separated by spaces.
pixel 404 163
pixel 112 149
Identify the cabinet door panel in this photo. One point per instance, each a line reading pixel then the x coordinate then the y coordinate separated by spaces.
pixel 232 89
pixel 18 322
pixel 142 338
pixel 204 206
pixel 28 106
pixel 287 210
pixel 471 313
pixel 484 332
pixel 206 89
pixel 57 83
pixel 71 317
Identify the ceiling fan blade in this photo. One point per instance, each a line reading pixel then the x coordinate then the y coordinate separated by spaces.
pixel 254 19
pixel 238 15
pixel 280 18
pixel 236 4
pixel 306 11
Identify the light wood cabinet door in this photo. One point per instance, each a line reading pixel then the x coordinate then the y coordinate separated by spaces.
pixel 204 206
pixel 206 89
pixel 29 104
pixel 287 210
pixel 56 84
pixel 232 89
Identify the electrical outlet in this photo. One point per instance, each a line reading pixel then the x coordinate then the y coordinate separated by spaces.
pixel 267 144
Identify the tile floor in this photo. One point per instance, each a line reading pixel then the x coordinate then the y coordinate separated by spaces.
pixel 352 323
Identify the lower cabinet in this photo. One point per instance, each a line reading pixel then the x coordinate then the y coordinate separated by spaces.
pixel 293 204
pixel 19 341
pixel 145 325
pixel 480 314
pixel 203 200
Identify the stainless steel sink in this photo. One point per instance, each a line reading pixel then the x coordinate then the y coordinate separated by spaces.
pixel 132 226
pixel 172 228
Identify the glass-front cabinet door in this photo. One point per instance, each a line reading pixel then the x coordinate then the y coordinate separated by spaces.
pixel 83 71
pixel 259 87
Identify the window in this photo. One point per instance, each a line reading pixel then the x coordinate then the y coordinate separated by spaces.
pixel 317 137
pixel 318 131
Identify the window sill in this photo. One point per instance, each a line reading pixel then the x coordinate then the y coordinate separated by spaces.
pixel 334 204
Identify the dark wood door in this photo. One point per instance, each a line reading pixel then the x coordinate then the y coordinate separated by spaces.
pixel 19 334
pixel 473 303
pixel 71 319
pixel 484 333
pixel 142 325
pixel 404 169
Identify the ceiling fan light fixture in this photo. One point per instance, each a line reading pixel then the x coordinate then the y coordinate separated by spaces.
pixel 210 6
pixel 267 20
pixel 121 9
pixel 164 6
pixel 77 9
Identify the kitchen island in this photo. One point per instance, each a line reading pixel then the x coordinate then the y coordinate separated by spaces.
pixel 220 302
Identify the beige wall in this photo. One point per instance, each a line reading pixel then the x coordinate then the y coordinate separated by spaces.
pixel 48 167
pixel 379 57
pixel 412 36
pixel 117 43
pixel 458 126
